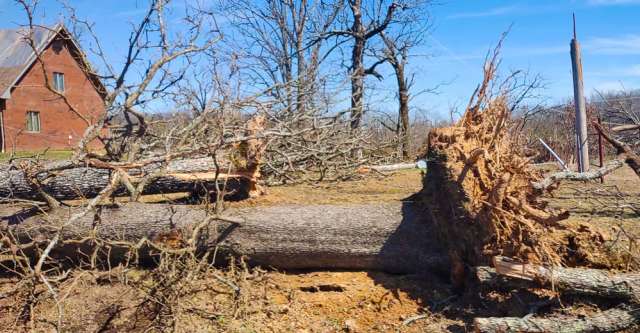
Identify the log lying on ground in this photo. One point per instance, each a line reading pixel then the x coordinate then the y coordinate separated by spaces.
pixel 577 176
pixel 86 182
pixel 389 167
pixel 612 320
pixel 391 237
pixel 238 168
pixel 627 127
pixel 576 281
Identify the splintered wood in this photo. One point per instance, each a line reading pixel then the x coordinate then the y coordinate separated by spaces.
pixel 479 188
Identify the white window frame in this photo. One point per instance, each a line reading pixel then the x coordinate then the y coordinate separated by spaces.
pixel 58 82
pixel 31 116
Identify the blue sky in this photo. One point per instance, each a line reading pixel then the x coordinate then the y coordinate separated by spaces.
pixel 463 31
pixel 609 31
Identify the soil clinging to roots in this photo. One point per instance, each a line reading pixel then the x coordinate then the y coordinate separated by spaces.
pixel 479 189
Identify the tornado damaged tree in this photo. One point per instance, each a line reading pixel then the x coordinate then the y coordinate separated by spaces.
pixel 392 237
pixel 582 138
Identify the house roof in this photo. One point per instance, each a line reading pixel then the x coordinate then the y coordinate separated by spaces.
pixel 17 56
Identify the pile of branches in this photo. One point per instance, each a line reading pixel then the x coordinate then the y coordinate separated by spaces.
pixel 326 150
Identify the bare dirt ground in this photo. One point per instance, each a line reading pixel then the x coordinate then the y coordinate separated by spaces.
pixel 169 299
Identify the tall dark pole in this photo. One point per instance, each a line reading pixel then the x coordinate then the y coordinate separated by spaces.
pixel 600 149
pixel 582 140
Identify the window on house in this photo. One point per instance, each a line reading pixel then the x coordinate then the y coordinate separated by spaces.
pixel 58 82
pixel 33 121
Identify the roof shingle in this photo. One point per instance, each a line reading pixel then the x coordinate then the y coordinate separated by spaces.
pixel 16 53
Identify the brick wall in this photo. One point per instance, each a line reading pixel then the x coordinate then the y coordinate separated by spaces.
pixel 59 127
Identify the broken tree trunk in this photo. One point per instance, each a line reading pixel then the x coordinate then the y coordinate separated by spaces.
pixel 576 281
pixel 236 172
pixel 612 320
pixel 387 237
pixel 186 175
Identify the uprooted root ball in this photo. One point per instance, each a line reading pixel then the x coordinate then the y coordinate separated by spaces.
pixel 483 204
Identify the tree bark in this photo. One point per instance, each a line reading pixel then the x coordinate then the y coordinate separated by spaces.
pixel 403 101
pixel 391 237
pixel 360 34
pixel 577 176
pixel 357 64
pixel 86 182
pixel 631 158
pixel 612 320
pixel 390 167
pixel 576 281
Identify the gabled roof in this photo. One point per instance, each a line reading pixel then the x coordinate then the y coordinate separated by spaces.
pixel 17 56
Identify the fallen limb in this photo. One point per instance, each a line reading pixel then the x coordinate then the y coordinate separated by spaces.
pixel 612 320
pixel 578 281
pixel 391 237
pixel 577 176
pixel 623 128
pixel 389 167
pixel 631 158
pixel 86 182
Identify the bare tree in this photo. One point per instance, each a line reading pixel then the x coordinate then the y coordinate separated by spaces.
pixel 364 22
pixel 360 32
pixel 398 42
pixel 274 40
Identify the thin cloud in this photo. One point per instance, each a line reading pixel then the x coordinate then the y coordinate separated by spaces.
pixel 621 45
pixel 628 71
pixel 497 11
pixel 536 50
pixel 612 2
pixel 606 86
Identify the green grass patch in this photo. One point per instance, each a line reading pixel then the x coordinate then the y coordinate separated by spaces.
pixel 46 155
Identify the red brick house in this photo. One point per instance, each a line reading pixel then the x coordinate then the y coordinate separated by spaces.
pixel 31 116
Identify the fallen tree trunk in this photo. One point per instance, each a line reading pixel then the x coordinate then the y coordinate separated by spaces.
pixel 612 320
pixel 387 237
pixel 577 281
pixel 186 175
